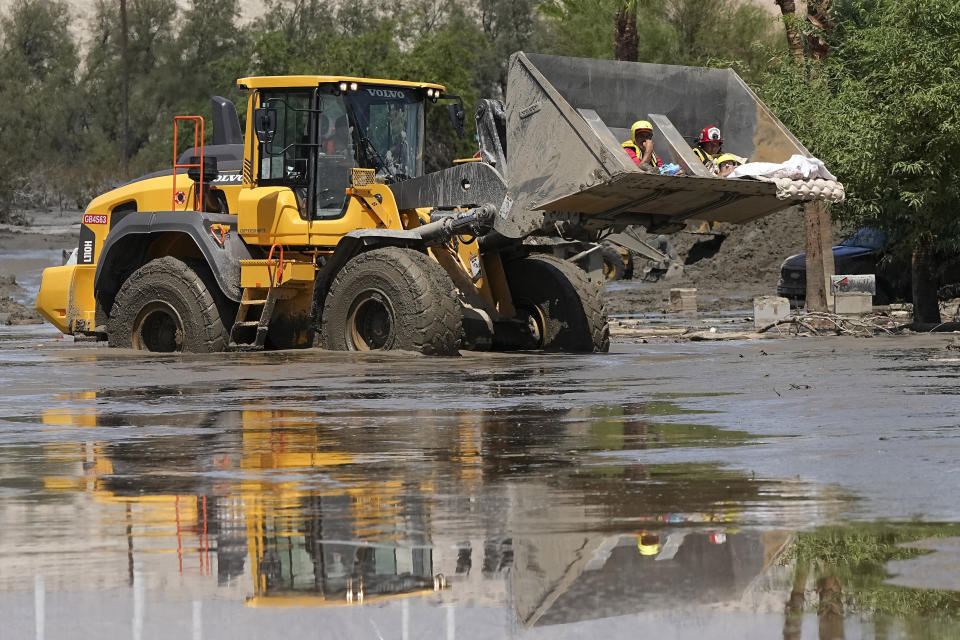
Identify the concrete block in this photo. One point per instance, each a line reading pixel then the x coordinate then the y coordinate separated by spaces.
pixel 852 304
pixel 769 309
pixel 861 283
pixel 683 300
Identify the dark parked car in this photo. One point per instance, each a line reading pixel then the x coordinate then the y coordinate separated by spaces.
pixel 860 253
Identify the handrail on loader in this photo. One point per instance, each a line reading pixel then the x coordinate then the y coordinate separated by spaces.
pixel 198 138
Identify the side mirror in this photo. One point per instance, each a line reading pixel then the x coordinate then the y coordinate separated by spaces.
pixel 457 117
pixel 265 124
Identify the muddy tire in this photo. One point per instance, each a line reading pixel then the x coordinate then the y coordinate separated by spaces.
pixel 169 305
pixel 628 266
pixel 392 298
pixel 564 309
pixel 613 266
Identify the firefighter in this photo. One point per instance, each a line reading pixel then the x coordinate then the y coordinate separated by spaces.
pixel 640 147
pixel 708 146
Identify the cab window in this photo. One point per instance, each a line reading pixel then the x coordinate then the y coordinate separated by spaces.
pixel 284 159
pixel 336 155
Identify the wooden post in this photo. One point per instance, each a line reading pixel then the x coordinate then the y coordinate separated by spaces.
pixel 818 233
pixel 826 246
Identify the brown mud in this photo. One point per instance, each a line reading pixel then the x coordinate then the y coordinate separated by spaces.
pixel 11 311
pixel 746 265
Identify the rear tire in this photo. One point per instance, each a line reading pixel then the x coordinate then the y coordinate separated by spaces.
pixel 169 305
pixel 628 266
pixel 564 308
pixel 392 298
pixel 613 266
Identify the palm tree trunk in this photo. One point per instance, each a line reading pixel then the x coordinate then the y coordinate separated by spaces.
pixel 793 613
pixel 830 611
pixel 818 14
pixel 788 8
pixel 626 42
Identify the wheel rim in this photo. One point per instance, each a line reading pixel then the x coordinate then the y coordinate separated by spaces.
pixel 371 322
pixel 535 322
pixel 158 328
pixel 609 271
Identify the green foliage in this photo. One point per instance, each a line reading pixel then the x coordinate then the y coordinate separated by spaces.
pixel 882 112
pixel 689 32
pixel 67 100
pixel 38 62
pixel 856 555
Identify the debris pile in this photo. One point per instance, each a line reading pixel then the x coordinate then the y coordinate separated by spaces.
pixel 816 323
pixel 797 325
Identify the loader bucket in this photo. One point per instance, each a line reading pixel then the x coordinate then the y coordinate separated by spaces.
pixel 566 118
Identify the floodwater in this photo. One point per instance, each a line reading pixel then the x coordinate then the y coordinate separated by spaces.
pixel 781 488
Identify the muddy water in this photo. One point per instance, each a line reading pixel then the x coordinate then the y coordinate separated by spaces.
pixel 671 489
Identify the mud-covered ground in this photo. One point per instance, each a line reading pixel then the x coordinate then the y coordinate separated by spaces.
pixel 678 490
pixel 796 488
pixel 746 265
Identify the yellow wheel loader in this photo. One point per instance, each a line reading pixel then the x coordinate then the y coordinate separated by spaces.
pixel 316 224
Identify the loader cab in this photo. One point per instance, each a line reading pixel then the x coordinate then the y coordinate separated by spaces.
pixel 310 138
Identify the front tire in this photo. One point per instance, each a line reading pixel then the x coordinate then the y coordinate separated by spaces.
pixel 564 309
pixel 392 298
pixel 167 306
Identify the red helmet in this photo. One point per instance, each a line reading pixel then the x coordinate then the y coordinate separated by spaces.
pixel 711 134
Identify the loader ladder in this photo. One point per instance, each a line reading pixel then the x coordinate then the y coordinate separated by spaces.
pixel 247 334
pixel 265 283
pixel 256 295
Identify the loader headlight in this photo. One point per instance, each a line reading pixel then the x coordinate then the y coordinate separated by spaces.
pixel 353 86
pixel 429 93
pixel 343 86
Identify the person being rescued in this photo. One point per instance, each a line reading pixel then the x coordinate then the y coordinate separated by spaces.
pixel 726 163
pixel 708 146
pixel 640 147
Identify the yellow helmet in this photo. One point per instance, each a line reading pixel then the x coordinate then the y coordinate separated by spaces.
pixel 640 125
pixel 648 544
pixel 727 157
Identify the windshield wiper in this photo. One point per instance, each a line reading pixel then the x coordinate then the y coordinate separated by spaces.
pixel 373 154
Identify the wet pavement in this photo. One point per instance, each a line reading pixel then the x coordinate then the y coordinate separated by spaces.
pixel 721 490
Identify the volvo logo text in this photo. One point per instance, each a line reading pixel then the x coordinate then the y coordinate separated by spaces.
pixel 386 93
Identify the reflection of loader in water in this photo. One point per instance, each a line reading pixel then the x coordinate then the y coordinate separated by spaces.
pixel 287 507
pixel 299 547
pixel 302 551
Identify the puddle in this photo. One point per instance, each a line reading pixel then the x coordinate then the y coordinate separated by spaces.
pixel 512 511
pixel 892 575
pixel 27 267
pixel 937 566
pixel 670 489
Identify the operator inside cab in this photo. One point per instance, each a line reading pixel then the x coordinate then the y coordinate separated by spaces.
pixel 338 127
